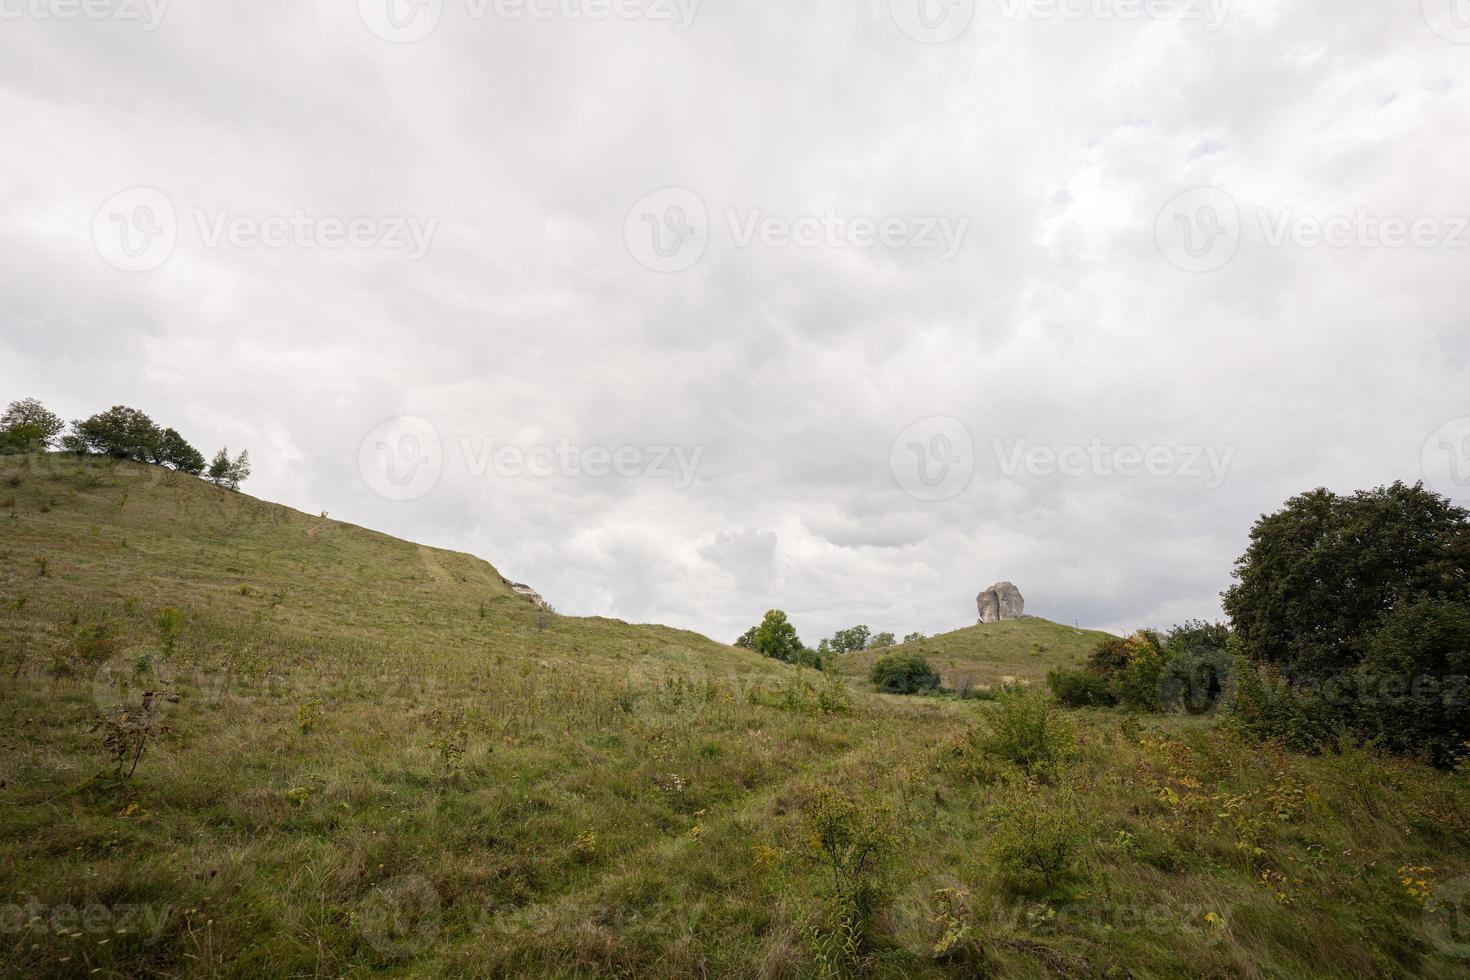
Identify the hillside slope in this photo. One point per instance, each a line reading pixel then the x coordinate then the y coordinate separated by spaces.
pixel 991 654
pixel 382 760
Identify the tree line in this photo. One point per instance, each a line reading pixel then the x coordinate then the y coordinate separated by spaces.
pixel 118 433
pixel 776 637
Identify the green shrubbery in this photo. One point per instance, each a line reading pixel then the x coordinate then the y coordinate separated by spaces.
pixel 1024 732
pixel 1037 839
pixel 903 673
pixel 1185 669
pixel 852 843
pixel 1081 689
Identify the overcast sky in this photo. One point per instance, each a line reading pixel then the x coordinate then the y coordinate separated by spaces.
pixel 689 310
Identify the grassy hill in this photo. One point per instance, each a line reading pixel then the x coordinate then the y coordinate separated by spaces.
pixel 382 760
pixel 991 654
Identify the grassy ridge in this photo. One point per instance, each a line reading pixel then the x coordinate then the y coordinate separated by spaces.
pixel 382 760
pixel 991 654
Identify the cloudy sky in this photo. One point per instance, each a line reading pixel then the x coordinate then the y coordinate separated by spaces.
pixel 680 311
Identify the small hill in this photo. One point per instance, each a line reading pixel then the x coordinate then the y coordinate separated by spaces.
pixel 991 654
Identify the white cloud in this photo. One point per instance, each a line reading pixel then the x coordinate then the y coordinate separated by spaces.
pixel 792 369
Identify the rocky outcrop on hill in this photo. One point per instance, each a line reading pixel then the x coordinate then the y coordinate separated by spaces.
pixel 1001 601
pixel 528 592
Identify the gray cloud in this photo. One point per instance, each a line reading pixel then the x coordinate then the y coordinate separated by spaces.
pixel 529 322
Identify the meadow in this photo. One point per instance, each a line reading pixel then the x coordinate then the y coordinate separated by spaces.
pixel 360 755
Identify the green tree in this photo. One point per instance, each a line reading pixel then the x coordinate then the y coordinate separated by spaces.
pixel 882 640
pixel 746 640
pixel 239 470
pixel 776 637
pixel 1320 575
pixel 850 640
pixel 913 637
pixel 219 468
pixel 175 451
pixel 120 432
pixel 28 427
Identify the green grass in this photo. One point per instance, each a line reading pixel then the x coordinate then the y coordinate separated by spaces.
pixel 628 800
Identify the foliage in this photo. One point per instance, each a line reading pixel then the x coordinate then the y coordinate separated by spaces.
pixel 852 842
pixel 1036 838
pixel 903 673
pixel 1081 688
pixel 127 730
pixel 28 427
pixel 228 473
pixel 850 640
pixel 882 640
pixel 1022 730
pixel 913 637
pixel 175 451
pixel 1264 705
pixel 120 432
pixel 1417 665
pixel 1320 575
pixel 776 638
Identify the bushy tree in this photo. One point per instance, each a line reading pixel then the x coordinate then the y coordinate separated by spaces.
pixel 850 640
pixel 903 673
pixel 119 432
pixel 1321 574
pixel 175 451
pixel 746 640
pixel 881 641
pixel 228 473
pixel 776 637
pixel 28 427
pixel 913 637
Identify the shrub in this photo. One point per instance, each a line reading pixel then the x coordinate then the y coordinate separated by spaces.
pixel 1022 730
pixel 1194 683
pixel 126 731
pixel 1137 684
pixel 903 673
pixel 1265 706
pixel 1417 665
pixel 1036 839
pixel 1081 688
pixel 852 843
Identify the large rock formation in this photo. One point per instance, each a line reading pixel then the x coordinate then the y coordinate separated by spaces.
pixel 1001 601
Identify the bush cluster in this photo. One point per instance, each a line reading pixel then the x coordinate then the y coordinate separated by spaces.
pixel 903 673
